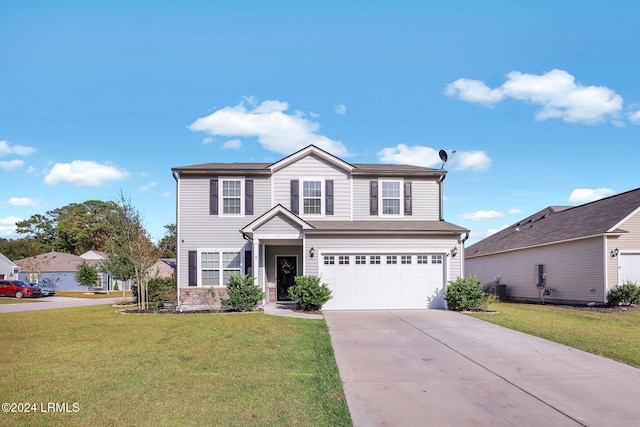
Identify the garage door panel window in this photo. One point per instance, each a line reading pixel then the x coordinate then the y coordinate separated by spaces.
pixel 392 259
pixel 422 259
pixel 361 259
pixel 329 260
pixel 374 259
pixel 405 259
pixel 436 259
pixel 343 260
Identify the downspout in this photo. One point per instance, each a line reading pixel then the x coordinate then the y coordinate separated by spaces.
pixel 179 305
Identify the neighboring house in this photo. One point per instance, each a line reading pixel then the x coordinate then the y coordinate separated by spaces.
pixel 564 254
pixel 58 270
pixel 164 267
pixel 8 269
pixel 374 233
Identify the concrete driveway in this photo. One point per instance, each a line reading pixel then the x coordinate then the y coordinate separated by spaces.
pixel 441 368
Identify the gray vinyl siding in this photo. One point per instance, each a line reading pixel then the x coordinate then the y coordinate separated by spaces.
pixel 358 244
pixel 574 269
pixel 314 167
pixel 627 242
pixel 198 229
pixel 278 225
pixel 425 199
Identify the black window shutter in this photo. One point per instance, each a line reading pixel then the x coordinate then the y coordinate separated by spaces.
pixel 407 198
pixel 373 197
pixel 328 205
pixel 248 258
pixel 294 196
pixel 213 197
pixel 193 268
pixel 248 197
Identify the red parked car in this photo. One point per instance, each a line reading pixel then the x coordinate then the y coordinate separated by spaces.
pixel 18 289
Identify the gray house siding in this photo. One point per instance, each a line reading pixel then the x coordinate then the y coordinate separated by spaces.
pixel 314 167
pixel 425 196
pixel 569 267
pixel 198 229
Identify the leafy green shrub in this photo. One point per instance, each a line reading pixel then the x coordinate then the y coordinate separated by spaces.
pixel 309 293
pixel 243 294
pixel 625 294
pixel 115 287
pixel 465 294
pixel 160 289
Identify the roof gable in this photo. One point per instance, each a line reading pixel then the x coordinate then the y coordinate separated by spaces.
pixel 557 224
pixel 307 151
pixel 276 211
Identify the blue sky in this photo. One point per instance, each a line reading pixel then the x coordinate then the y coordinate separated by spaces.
pixel 540 100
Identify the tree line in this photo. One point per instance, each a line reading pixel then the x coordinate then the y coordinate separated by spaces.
pixel 114 227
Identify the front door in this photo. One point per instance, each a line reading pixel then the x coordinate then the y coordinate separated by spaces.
pixel 286 271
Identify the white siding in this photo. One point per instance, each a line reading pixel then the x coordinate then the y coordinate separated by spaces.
pixel 425 196
pixel 628 242
pixel 314 167
pixel 574 269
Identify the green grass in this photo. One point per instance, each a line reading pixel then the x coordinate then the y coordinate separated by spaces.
pixel 170 369
pixel 84 294
pixel 612 335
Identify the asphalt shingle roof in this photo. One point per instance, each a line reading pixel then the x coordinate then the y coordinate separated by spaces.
pixel 561 223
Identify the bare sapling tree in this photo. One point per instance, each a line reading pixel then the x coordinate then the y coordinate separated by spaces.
pixel 131 244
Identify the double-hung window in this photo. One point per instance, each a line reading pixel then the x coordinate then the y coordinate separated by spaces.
pixel 216 267
pixel 232 196
pixel 391 197
pixel 312 197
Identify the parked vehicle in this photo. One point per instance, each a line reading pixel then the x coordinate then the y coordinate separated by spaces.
pixel 47 291
pixel 19 289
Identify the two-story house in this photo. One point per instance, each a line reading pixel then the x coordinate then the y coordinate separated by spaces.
pixel 373 232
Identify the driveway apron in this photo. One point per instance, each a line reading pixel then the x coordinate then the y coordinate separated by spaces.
pixel 441 368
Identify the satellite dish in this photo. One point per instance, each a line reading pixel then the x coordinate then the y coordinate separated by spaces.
pixel 443 156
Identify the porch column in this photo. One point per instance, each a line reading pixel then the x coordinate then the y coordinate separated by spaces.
pixel 255 263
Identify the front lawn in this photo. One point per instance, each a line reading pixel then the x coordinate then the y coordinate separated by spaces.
pixel 92 295
pixel 615 335
pixel 105 368
pixel 14 300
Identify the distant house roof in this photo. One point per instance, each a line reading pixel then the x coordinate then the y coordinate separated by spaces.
pixel 561 223
pixel 164 267
pixel 54 262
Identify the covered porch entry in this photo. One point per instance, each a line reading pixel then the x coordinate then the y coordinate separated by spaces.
pixel 278 242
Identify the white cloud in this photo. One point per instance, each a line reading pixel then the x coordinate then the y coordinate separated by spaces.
pixel 20 150
pixel 84 173
pixel 586 195
pixel 232 144
pixel 405 155
pixel 556 92
pixel 481 215
pixel 634 117
pixel 474 91
pixel 21 201
pixel 8 226
pixel 208 140
pixel 515 211
pixel 428 157
pixel 147 187
pixel 474 160
pixel 274 129
pixel 340 109
pixel 167 194
pixel 11 164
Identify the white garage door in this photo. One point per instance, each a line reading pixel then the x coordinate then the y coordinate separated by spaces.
pixel 384 281
pixel 629 264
